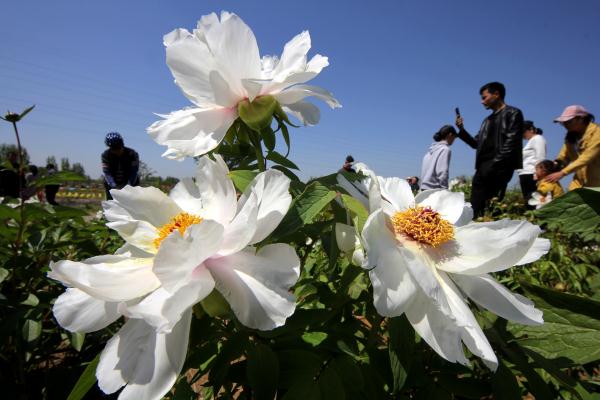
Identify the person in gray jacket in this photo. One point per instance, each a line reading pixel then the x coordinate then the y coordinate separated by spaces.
pixel 436 163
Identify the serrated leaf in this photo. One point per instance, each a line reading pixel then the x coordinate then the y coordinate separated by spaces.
pixel 262 370
pixel 257 114
pixel 241 178
pixel 85 381
pixel 571 326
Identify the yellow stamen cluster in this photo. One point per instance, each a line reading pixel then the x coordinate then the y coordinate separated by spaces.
pixel 179 222
pixel 423 225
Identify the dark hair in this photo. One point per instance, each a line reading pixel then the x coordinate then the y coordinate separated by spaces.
pixel 33 169
pixel 494 87
pixel 589 118
pixel 539 131
pixel 528 125
pixel 444 132
pixel 349 158
pixel 548 166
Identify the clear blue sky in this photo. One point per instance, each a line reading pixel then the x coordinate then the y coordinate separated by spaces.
pixel 398 67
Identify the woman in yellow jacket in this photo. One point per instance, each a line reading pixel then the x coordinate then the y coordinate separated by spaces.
pixel 581 152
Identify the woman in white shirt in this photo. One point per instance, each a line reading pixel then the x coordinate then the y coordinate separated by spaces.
pixel 533 152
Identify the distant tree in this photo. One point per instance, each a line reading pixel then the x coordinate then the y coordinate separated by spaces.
pixel 51 160
pixel 78 169
pixel 145 171
pixel 7 148
pixel 171 181
pixel 65 165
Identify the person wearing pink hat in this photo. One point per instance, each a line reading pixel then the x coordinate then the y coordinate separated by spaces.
pixel 581 152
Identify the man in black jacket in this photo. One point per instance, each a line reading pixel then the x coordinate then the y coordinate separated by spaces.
pixel 120 164
pixel 499 147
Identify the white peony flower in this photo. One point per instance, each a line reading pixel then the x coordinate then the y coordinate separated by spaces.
pixel 179 248
pixel 539 200
pixel 217 66
pixel 428 259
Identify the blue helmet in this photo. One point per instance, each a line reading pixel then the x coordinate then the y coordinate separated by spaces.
pixel 113 139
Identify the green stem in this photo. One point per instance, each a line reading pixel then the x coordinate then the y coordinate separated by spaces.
pixel 21 194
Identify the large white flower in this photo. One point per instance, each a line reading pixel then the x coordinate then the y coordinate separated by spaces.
pixel 217 66
pixel 179 248
pixel 428 258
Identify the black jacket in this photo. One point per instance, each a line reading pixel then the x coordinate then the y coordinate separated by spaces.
pixel 499 143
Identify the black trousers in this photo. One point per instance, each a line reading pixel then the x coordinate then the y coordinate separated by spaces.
pixel 487 186
pixel 51 191
pixel 528 186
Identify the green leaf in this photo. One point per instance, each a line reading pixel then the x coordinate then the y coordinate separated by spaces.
pixel 401 350
pixel 241 178
pixel 578 212
pixel 504 383
pixel 85 381
pixel 262 371
pixel 330 384
pixel 268 137
pixel 3 274
pixel 31 330
pixel 281 160
pixel 286 137
pixel 297 366
pixel 356 209
pixel 77 340
pixel 258 114
pixel 571 326
pixel 314 338
pixel 304 209
pixel 7 212
pixel 26 111
pixel 31 300
pixel 59 178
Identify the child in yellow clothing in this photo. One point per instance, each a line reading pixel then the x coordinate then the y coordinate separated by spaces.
pixel 543 169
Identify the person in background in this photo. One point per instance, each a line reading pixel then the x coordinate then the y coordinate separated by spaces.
pixel 533 152
pixel 581 152
pixel 10 177
pixel 436 162
pixel 31 189
pixel 413 181
pixel 499 147
pixel 348 164
pixel 542 170
pixel 120 164
pixel 51 190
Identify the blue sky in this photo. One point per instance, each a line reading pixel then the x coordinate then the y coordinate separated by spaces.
pixel 398 67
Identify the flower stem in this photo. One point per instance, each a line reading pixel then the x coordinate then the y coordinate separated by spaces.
pixel 21 193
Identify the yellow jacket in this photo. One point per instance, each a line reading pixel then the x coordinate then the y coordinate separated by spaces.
pixel 550 187
pixel 584 160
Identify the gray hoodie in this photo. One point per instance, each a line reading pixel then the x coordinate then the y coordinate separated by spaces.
pixel 436 163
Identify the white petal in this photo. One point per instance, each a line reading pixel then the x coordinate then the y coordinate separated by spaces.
pixel 190 62
pixel 540 247
pixel 77 311
pixel 306 113
pixel 471 333
pixel 136 203
pixel 192 132
pixel 239 233
pixel 234 48
pixel 345 236
pixel 437 329
pixel 488 293
pixel 466 217
pixel 272 191
pixel 299 92
pixel 178 256
pixel 397 192
pixel 449 204
pixel 293 58
pixel 140 234
pixel 108 278
pixel 147 362
pixel 257 285
pixel 224 96
pixel 487 246
pixel 313 68
pixel 163 310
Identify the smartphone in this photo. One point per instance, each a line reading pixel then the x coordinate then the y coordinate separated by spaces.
pixel 457 111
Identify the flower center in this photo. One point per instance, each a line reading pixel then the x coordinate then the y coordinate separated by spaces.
pixel 423 225
pixel 179 222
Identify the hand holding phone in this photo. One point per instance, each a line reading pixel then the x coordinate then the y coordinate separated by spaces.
pixel 459 120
